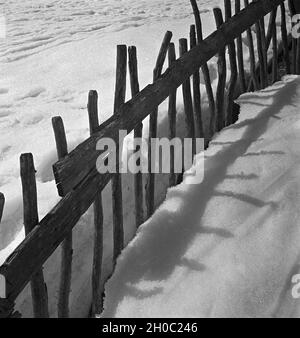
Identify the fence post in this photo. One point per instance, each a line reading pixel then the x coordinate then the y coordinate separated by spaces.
pixel 205 70
pixel 240 54
pixel 98 217
pixel 252 55
pixel 138 133
pixel 187 100
pixel 233 69
pixel 222 76
pixel 2 201
pixel 150 186
pixel 196 89
pixel 172 112
pixel 67 245
pixel 275 53
pixel 116 182
pixel 30 212
pixel 285 39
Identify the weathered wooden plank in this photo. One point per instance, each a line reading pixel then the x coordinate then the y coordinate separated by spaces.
pixel 2 202
pixel 67 245
pixel 172 112
pixel 240 54
pixel 30 217
pixel 150 186
pixel 262 71
pixel 205 70
pixel 233 69
pixel 69 172
pixel 138 133
pixel 32 253
pixel 196 90
pixel 92 108
pixel 116 182
pixel 220 94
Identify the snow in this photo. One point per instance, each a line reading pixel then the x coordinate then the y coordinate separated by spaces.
pixel 50 59
pixel 53 54
pixel 229 246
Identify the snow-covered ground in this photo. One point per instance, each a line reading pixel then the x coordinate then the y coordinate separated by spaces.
pixel 230 246
pixel 56 51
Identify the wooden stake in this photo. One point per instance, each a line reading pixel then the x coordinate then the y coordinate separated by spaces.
pixel 150 186
pixel 187 98
pixel 196 90
pixel 251 54
pixel 138 133
pixel 67 245
pixel 240 54
pixel 275 55
pixel 30 212
pixel 172 112
pixel 2 201
pixel 284 37
pixel 205 70
pixel 98 217
pixel 120 92
pixel 222 76
pixel 233 69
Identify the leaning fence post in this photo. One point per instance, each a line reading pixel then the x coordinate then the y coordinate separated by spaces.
pixel 222 76
pixel 205 71
pixel 240 54
pixel 187 99
pixel 2 201
pixel 172 112
pixel 285 39
pixel 275 54
pixel 233 69
pixel 138 133
pixel 116 182
pixel 67 245
pixel 30 213
pixel 251 54
pixel 196 89
pixel 150 186
pixel 98 217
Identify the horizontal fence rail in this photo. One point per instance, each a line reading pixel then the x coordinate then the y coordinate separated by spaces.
pixel 78 181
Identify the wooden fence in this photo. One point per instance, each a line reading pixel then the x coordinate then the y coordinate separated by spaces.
pixel 78 182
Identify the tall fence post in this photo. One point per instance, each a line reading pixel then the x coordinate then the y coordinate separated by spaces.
pixel 196 89
pixel 138 133
pixel 172 112
pixel 67 245
pixel 205 71
pixel 187 100
pixel 284 37
pixel 30 213
pixel 2 201
pixel 240 54
pixel 252 55
pixel 116 182
pixel 150 186
pixel 220 96
pixel 98 217
pixel 233 69
pixel 275 53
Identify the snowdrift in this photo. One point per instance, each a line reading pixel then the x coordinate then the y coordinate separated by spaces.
pixel 227 247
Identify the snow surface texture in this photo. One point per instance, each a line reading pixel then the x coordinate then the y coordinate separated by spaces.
pixel 229 246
